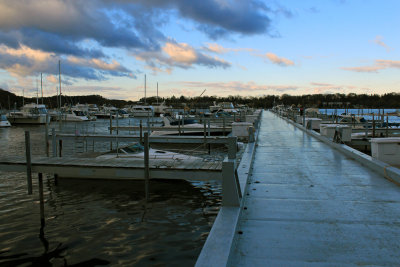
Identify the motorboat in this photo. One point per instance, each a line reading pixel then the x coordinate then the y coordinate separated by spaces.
pixel 74 115
pixel 4 121
pixel 160 108
pixel 136 151
pixel 29 114
pixel 141 111
pixel 226 107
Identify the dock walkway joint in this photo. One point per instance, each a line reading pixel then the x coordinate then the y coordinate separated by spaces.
pixel 310 205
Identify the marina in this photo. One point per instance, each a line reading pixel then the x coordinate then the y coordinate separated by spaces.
pixel 321 185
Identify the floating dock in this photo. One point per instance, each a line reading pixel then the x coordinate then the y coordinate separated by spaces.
pixel 308 203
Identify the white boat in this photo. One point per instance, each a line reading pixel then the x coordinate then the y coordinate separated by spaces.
pixel 74 115
pixel 223 107
pixel 4 121
pixel 85 108
pixel 141 111
pixel 106 111
pixel 30 114
pixel 136 151
pixel 160 108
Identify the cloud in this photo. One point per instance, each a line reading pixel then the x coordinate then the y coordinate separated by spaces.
pixel 26 61
pixel 219 49
pixel 378 41
pixel 238 87
pixel 327 88
pixel 278 60
pixel 180 55
pixel 380 64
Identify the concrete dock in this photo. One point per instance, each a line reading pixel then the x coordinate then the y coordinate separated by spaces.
pixel 307 204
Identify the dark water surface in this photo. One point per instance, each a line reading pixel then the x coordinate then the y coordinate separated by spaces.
pixel 94 223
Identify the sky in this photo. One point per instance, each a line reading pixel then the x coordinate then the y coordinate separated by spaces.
pixel 187 47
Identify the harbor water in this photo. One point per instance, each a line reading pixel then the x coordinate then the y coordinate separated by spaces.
pixel 93 222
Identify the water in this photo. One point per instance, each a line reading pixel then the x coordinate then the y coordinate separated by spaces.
pixel 100 222
pixel 392 119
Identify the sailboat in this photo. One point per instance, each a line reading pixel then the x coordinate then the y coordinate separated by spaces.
pixel 142 110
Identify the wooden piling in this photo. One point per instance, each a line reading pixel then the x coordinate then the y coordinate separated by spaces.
pixel 60 145
pixel 41 198
pixel 46 136
pixel 54 142
pixel 387 126
pixel 373 125
pixel 146 166
pixel 141 132
pixel 28 161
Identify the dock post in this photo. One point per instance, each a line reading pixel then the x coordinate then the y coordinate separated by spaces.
pixel 223 126
pixel 117 133
pixel 110 130
pixel 60 143
pixel 54 142
pixel 209 127
pixel 141 133
pixel 230 191
pixel 387 126
pixel 41 198
pixel 179 127
pixel 148 125
pixel 232 142
pixel 47 136
pixel 373 125
pixel 28 161
pixel 146 165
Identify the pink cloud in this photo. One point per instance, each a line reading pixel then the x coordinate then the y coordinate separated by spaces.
pixel 278 60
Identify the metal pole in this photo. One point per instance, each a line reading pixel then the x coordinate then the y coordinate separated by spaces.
pixel 42 221
pixel 146 165
pixel 28 161
pixel 209 127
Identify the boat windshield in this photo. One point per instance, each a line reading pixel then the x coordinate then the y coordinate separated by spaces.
pixel 38 110
pixel 79 113
pixel 3 118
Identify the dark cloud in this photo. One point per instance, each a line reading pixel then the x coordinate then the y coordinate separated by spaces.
pixel 83 29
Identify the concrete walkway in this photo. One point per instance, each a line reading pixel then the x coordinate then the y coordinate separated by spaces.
pixel 309 205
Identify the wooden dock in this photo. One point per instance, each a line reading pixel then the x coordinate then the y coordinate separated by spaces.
pixel 117 168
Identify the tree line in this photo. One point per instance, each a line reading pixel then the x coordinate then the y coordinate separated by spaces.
pixel 9 100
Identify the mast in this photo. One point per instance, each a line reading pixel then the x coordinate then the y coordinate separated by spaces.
pixel 37 92
pixel 145 89
pixel 157 92
pixel 41 85
pixel 59 78
pixel 23 94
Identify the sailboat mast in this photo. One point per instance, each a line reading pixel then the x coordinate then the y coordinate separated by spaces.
pixel 59 78
pixel 157 92
pixel 23 96
pixel 41 85
pixel 37 92
pixel 145 89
